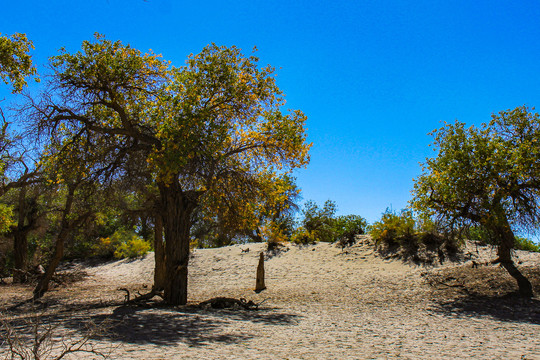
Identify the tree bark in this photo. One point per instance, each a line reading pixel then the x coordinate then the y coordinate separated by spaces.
pixel 43 285
pixel 177 208
pixel 20 241
pixel 65 228
pixel 504 252
pixel 160 269
pixel 20 254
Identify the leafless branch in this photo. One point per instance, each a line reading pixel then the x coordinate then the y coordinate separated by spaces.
pixel 36 338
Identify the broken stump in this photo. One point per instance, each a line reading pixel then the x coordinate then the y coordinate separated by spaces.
pixel 259 285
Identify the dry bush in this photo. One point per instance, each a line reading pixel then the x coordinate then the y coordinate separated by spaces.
pixel 39 337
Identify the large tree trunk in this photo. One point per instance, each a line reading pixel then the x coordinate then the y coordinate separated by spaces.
pixel 504 252
pixel 20 246
pixel 20 241
pixel 160 268
pixel 177 207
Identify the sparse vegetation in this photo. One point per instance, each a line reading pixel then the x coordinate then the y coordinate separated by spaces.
pixel 394 229
pixel 348 226
pixel 526 244
pixel 321 224
pixel 317 224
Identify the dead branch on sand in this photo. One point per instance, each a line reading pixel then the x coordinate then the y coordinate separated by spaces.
pixel 36 338
pixel 141 298
pixel 230 303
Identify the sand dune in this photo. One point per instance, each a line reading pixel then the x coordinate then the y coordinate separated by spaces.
pixel 320 303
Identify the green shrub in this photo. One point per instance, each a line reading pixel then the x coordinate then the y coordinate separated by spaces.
pixel 132 248
pixel 6 218
pixel 481 235
pixel 526 244
pixel 319 224
pixel 478 233
pixel 303 236
pixel 347 227
pixel 123 243
pixel 394 229
pixel 416 238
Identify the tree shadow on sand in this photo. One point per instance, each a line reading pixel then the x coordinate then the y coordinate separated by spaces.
pixel 508 308
pixel 166 326
pixel 484 291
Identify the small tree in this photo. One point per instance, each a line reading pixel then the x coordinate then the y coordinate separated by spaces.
pixel 348 226
pixel 15 172
pixel 318 224
pixel 489 177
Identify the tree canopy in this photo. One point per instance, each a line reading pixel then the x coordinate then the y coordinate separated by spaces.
pixel 15 61
pixel 212 126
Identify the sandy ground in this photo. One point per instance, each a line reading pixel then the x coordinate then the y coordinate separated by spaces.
pixel 320 303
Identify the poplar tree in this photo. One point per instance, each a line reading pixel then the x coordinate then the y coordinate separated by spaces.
pixel 486 176
pixel 206 127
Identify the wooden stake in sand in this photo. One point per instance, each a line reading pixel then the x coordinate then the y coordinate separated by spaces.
pixel 259 286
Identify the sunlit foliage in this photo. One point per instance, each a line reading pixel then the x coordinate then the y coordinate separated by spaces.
pixel 15 60
pixel 487 176
pixel 207 129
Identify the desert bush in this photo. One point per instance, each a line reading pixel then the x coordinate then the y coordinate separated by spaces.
pixel 526 244
pixel 303 236
pixel 346 227
pixel 318 224
pixel 132 248
pixel 394 229
pixel 321 224
pixel 419 239
pixel 6 218
pixel 480 234
pixel 122 244
pixel 37 337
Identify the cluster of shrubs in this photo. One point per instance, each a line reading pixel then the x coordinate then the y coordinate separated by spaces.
pixel 321 224
pixel 121 244
pixel 411 238
pixel 483 237
pixel 526 244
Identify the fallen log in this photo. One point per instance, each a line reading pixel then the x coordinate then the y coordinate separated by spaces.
pixel 230 303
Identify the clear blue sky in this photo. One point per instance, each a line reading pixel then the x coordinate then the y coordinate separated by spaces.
pixel 374 77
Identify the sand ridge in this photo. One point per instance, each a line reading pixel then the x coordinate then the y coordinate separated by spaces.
pixel 321 302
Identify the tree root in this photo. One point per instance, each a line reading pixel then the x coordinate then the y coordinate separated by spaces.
pixel 141 298
pixel 433 280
